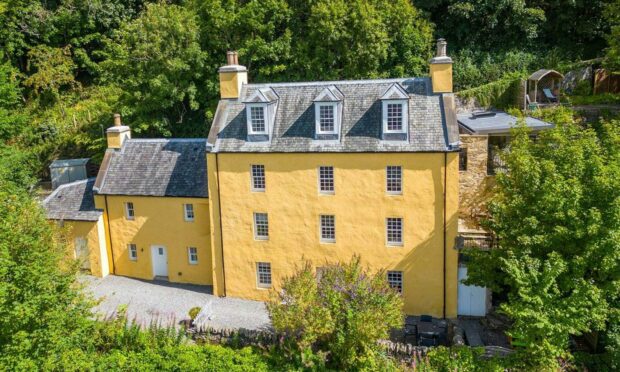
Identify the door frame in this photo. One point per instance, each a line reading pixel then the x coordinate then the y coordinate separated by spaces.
pixel 154 256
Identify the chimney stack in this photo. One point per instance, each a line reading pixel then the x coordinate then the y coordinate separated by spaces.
pixel 441 69
pixel 232 77
pixel 118 133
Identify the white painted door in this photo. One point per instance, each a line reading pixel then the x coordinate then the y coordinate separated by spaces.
pixel 81 252
pixel 160 260
pixel 472 299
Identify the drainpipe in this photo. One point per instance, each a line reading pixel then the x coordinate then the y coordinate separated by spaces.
pixel 219 209
pixel 107 215
pixel 445 179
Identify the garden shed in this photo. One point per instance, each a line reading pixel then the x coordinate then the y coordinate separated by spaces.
pixel 543 86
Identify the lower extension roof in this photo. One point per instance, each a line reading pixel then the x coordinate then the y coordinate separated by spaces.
pixel 155 167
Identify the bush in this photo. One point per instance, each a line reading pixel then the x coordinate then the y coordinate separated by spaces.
pixel 502 94
pixel 337 318
pixel 193 312
pixel 583 88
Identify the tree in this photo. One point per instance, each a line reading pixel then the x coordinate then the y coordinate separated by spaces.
pixel 339 315
pixel 556 214
pixel 42 313
pixel 11 120
pixel 157 60
pixel 612 14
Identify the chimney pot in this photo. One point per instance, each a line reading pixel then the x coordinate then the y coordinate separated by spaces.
pixel 117 120
pixel 232 58
pixel 441 48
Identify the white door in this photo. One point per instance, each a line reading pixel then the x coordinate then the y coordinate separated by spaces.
pixel 160 260
pixel 472 299
pixel 81 252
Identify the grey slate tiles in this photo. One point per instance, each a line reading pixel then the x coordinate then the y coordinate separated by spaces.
pixel 72 201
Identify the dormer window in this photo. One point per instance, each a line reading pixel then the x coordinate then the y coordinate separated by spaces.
pixel 328 113
pixel 257 119
pixel 260 113
pixel 394 117
pixel 395 113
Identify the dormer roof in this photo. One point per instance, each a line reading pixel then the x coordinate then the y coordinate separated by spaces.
pixel 329 94
pixel 263 95
pixel 294 119
pixel 395 91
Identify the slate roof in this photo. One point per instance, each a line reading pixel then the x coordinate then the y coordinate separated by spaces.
pixel 73 201
pixel 294 126
pixel 155 167
pixel 496 122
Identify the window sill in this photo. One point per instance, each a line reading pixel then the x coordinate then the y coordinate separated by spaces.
pixel 394 245
pixel 257 190
pixel 394 193
pixel 327 193
pixel 260 239
pixel 263 288
pixel 328 241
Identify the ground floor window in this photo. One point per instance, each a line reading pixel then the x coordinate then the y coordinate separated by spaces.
pixel 395 280
pixel 263 274
pixel 394 231
pixel 192 253
pixel 133 252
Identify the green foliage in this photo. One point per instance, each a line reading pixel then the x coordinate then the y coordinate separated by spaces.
pixel 42 313
pixel 194 311
pixel 612 14
pixel 157 61
pixel 339 316
pixel 583 88
pixel 462 359
pixel 50 69
pixel 597 99
pixel 503 93
pixel 556 215
pixel 11 119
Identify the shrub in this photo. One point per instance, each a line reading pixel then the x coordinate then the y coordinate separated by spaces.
pixel 502 93
pixel 583 88
pixel 336 318
pixel 194 311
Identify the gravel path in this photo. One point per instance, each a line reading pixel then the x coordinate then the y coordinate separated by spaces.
pixel 168 303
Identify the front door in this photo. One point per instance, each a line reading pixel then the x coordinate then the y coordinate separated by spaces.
pixel 160 260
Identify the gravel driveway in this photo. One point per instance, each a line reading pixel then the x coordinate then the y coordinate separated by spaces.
pixel 168 303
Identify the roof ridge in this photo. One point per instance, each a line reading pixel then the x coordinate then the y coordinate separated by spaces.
pixel 160 140
pixel 334 82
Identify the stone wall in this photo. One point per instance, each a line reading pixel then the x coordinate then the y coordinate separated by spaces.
pixel 474 182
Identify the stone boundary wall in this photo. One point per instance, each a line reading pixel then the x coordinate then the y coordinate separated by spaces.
pixel 263 339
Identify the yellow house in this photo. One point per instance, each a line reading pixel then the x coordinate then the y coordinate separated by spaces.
pixel 317 171
pixel 322 171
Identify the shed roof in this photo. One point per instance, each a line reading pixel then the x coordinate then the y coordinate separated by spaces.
pixel 361 126
pixel 496 122
pixel 73 201
pixel 540 74
pixel 62 163
pixel 155 167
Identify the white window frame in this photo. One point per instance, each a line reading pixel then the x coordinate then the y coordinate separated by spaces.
pixel 188 213
pixel 192 257
pixel 387 232
pixel 387 180
pixel 317 117
pixel 255 219
pixel 263 106
pixel 333 227
pixel 130 211
pixel 405 115
pixel 392 277
pixel 260 269
pixel 254 177
pixel 133 251
pixel 333 180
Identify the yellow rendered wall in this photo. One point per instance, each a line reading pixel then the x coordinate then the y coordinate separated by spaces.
pixel 231 82
pixel 441 76
pixel 88 230
pixel 360 206
pixel 159 221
